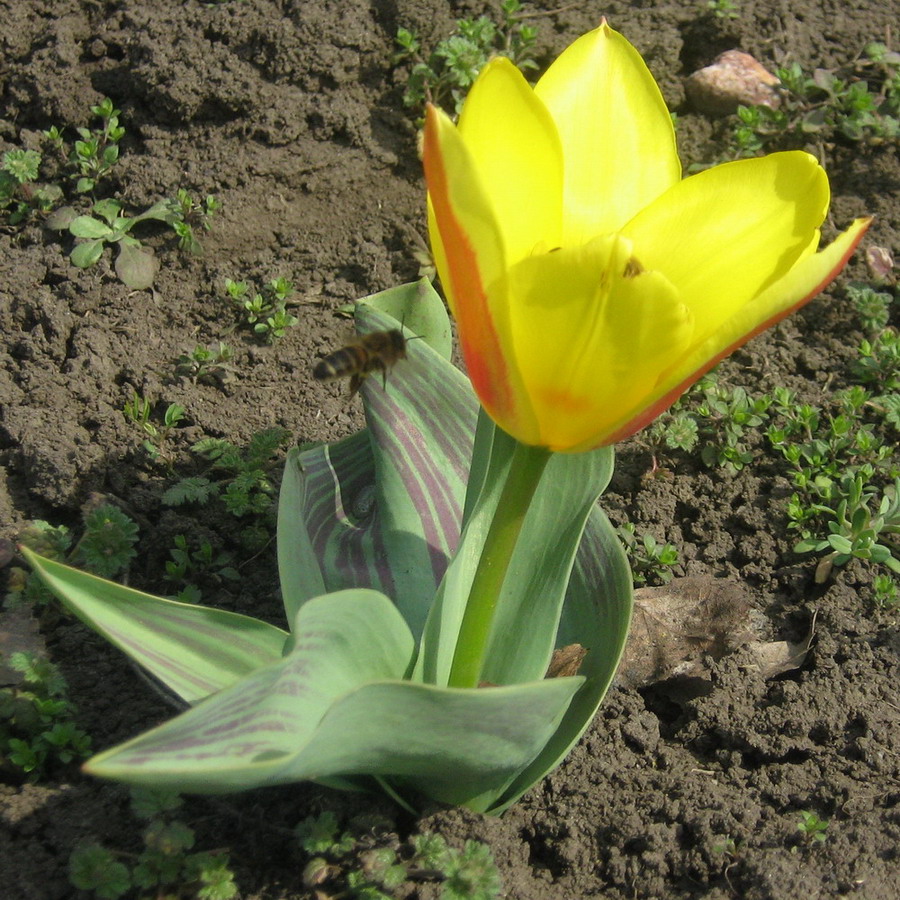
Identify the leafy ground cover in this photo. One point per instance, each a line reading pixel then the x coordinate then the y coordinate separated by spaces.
pixel 161 415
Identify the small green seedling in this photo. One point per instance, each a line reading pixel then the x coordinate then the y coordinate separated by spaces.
pixel 812 828
pixel 886 591
pixel 444 76
pixel 872 307
pixel 37 729
pixel 265 312
pixel 650 560
pixel 723 9
pixel 210 364
pixel 97 151
pixel 164 868
pixel 186 215
pixel 855 531
pixel 139 409
pixel 187 566
pixel 365 861
pixel 20 195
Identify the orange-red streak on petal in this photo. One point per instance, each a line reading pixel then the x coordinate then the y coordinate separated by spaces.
pixel 646 416
pixel 486 366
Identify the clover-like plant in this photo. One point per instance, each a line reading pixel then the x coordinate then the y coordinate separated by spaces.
pixel 856 531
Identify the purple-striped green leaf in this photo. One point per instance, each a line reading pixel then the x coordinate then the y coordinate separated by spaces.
pixel 336 706
pixel 194 650
pixel 383 509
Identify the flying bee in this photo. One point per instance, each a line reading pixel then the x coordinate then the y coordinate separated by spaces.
pixel 375 352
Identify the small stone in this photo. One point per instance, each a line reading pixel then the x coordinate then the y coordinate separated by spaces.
pixel 734 78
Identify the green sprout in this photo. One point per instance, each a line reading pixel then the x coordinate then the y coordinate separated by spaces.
pixel 812 827
pixel 650 560
pixel 94 155
pixel 446 74
pixel 211 364
pixel 37 730
pixel 886 591
pixel 872 307
pixel 266 311
pixel 139 409
pixel 855 530
pixel 186 566
pixel 723 9
pixel 18 192
pixel 186 215
pixel 348 864
pixel 165 867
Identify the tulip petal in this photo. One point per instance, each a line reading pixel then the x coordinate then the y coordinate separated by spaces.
pixel 591 333
pixel 724 235
pixel 616 132
pixel 517 154
pixel 470 255
pixel 810 276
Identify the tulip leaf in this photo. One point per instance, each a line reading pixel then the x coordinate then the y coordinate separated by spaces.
pixel 419 308
pixel 336 706
pixel 538 576
pixel 194 650
pixel 597 615
pixel 382 509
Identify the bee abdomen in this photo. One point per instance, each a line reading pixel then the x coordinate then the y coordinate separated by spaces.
pixel 340 364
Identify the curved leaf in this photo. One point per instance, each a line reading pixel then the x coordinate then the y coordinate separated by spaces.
pixel 336 707
pixel 193 650
pixel 524 631
pixel 597 615
pixel 420 310
pixel 383 509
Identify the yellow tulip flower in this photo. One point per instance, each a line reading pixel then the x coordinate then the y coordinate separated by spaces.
pixel 590 283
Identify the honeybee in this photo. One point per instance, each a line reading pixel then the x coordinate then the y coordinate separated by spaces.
pixel 375 352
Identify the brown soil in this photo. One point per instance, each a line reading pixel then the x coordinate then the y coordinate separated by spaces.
pixel 289 112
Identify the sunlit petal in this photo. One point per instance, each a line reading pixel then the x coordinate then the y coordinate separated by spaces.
pixel 471 256
pixel 804 282
pixel 726 234
pixel 591 332
pixel 616 132
pixel 518 157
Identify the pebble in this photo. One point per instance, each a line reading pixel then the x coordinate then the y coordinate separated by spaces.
pixel 732 79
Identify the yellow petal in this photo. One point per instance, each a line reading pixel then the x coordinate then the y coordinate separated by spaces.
pixel 810 276
pixel 515 148
pixel 617 135
pixel 591 334
pixel 724 235
pixel 471 256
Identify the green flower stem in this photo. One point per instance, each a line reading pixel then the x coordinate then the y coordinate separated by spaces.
pixel 524 475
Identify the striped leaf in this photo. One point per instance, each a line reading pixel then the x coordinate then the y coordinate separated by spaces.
pixel 336 706
pixel 194 650
pixel 383 509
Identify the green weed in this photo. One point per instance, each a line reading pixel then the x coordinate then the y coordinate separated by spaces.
pixel 444 75
pixel 650 560
pixel 860 102
pixel 164 868
pixel 264 311
pixel 366 862
pixel 37 728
